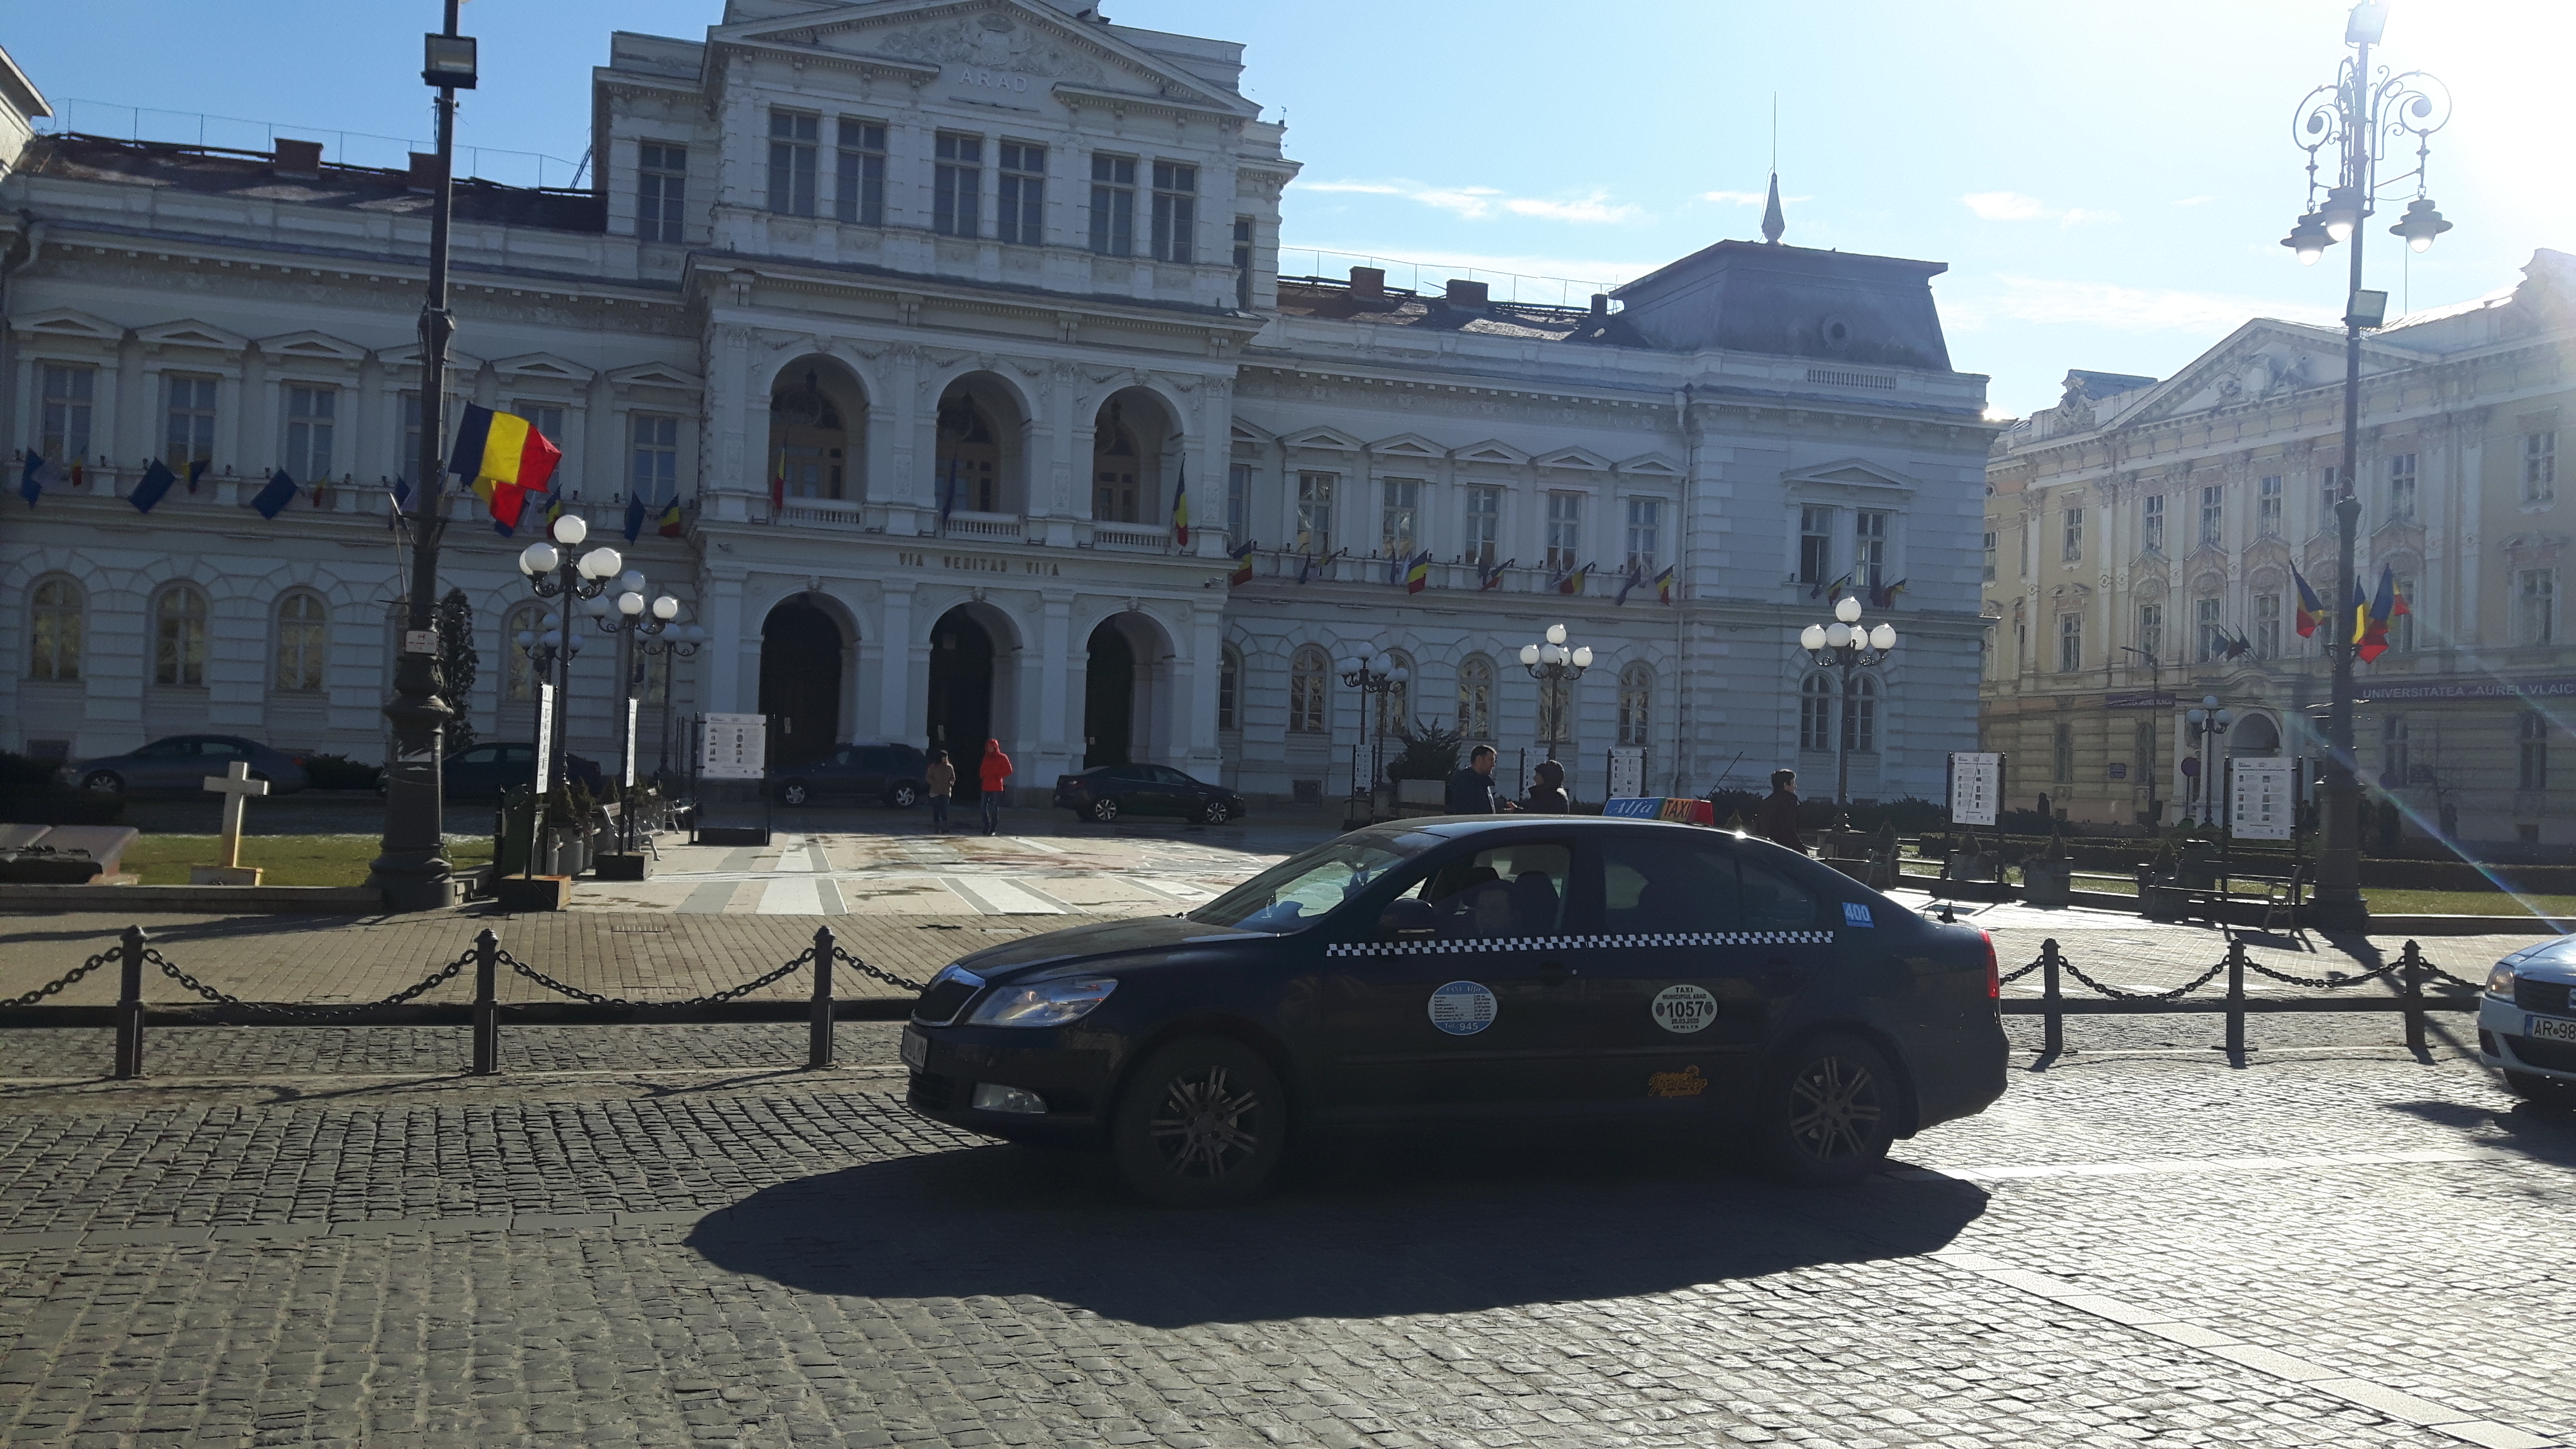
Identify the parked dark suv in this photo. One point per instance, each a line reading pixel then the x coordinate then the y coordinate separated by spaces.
pixel 890 773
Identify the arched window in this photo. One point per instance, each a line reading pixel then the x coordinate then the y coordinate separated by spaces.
pixel 1860 716
pixel 1229 689
pixel 1395 706
pixel 301 627
pixel 55 612
pixel 1816 714
pixel 1308 676
pixel 1636 703
pixel 522 677
pixel 1476 697
pixel 179 637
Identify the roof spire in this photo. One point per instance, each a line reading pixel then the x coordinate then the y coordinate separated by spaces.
pixel 1772 222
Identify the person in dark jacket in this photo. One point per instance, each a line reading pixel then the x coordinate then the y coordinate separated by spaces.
pixel 1471 790
pixel 1777 820
pixel 1547 794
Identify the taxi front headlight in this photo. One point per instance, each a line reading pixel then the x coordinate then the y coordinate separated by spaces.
pixel 1046 1003
pixel 2500 980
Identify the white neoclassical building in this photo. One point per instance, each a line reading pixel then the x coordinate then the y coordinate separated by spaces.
pixel 927 314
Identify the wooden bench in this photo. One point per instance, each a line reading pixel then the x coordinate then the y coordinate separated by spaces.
pixel 2278 892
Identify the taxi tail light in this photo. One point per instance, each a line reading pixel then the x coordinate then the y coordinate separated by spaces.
pixel 1994 972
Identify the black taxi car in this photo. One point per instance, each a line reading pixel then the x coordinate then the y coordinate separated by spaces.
pixel 1460 968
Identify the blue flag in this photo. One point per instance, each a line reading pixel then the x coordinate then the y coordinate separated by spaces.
pixel 273 499
pixel 29 486
pixel 154 487
pixel 402 495
pixel 634 516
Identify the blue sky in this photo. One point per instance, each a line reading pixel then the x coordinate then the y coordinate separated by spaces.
pixel 2107 182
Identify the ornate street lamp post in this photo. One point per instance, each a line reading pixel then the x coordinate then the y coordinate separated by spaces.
pixel 628 619
pixel 1847 647
pixel 678 643
pixel 2155 701
pixel 411 866
pixel 1374 677
pixel 2357 114
pixel 553 574
pixel 1555 667
pixel 2206 723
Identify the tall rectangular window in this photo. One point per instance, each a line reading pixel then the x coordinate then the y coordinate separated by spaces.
pixel 1645 534
pixel 661 191
pixel 2061 754
pixel 1113 205
pixel 1400 518
pixel 2151 527
pixel 1815 545
pixel 2213 516
pixel 2151 629
pixel 187 421
pixel 1869 548
pixel 2394 766
pixel 2267 626
pixel 1990 555
pixel 2209 639
pixel 2073 549
pixel 2532 741
pixel 2267 507
pixel 2070 643
pixel 1484 525
pixel 1238 500
pixel 64 435
pixel 653 457
pixel 957 191
pixel 793 137
pixel 1315 514
pixel 2401 488
pixel 2539 467
pixel 859 172
pixel 311 418
pixel 1243 263
pixel 2329 493
pixel 1176 211
pixel 1564 530
pixel 2535 606
pixel 1020 214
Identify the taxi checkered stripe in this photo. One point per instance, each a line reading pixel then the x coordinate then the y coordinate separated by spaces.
pixel 1639 941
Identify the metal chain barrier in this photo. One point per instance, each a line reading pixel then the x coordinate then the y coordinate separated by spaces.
pixel 431 982
pixel 56 986
pixel 803 959
pixel 888 977
pixel 2115 992
pixel 2026 970
pixel 2331 980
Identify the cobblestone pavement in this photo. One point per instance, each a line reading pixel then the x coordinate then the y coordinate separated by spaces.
pixel 2339 1247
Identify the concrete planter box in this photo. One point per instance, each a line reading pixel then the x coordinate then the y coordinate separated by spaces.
pixel 619 865
pixel 2162 901
pixel 533 893
pixel 2048 882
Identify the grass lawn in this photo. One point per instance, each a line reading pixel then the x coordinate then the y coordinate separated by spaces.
pixel 2383 899
pixel 293 860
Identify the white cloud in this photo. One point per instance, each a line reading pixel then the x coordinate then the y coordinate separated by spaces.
pixel 1593 208
pixel 1479 203
pixel 2004 205
pixel 2127 309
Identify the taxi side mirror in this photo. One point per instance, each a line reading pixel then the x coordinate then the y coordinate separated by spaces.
pixel 1408 919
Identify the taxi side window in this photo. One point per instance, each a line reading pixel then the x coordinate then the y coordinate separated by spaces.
pixel 1653 887
pixel 1773 902
pixel 1510 890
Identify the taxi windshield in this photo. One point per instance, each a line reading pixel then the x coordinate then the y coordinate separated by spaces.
pixel 1303 889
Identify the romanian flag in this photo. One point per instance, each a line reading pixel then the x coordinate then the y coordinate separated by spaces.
pixel 1572 583
pixel 1417 575
pixel 1489 579
pixel 1664 586
pixel 2311 611
pixel 196 470
pixel 671 520
pixel 1181 509
pixel 2384 606
pixel 1242 564
pixel 506 459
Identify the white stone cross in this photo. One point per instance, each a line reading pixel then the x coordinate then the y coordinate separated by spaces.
pixel 236 786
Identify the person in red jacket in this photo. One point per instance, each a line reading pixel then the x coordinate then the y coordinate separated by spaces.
pixel 994 773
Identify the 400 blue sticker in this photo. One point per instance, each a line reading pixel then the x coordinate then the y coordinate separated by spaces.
pixel 1462 1008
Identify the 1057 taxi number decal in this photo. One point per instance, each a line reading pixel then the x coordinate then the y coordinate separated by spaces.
pixel 1684 1009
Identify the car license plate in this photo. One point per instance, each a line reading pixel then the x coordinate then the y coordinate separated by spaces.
pixel 2549 1028
pixel 916 1050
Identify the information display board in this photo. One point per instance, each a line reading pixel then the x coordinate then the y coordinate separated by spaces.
pixel 1627 770
pixel 2263 798
pixel 628 758
pixel 1976 788
pixel 733 746
pixel 545 737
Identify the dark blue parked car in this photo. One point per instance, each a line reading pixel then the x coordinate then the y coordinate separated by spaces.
pixel 181 764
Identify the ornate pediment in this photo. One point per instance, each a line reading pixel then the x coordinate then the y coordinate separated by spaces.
pixel 1855 478
pixel 2263 360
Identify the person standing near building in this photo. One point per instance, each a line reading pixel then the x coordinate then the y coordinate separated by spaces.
pixel 1471 790
pixel 1777 820
pixel 940 779
pixel 993 774
pixel 1547 794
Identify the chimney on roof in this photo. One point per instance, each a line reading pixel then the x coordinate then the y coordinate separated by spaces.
pixel 1600 308
pixel 1467 296
pixel 1368 281
pixel 296 160
pixel 424 172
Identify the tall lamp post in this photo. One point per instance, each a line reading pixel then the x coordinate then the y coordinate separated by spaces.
pixel 411 866
pixel 675 644
pixel 2155 701
pixel 1846 646
pixel 630 616
pixel 2206 723
pixel 1555 667
pixel 1375 676
pixel 2357 115
pixel 553 574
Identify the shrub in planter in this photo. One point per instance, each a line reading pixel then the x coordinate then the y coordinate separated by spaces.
pixel 32 792
pixel 339 772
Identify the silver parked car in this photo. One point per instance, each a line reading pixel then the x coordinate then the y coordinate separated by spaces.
pixel 180 764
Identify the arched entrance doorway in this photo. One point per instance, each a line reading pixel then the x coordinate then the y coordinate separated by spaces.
pixel 1108 698
pixel 800 681
pixel 961 693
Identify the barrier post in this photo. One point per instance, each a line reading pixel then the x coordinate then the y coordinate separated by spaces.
pixel 2236 998
pixel 2410 974
pixel 2052 1042
pixel 818 1052
pixel 487 1004
pixel 129 1007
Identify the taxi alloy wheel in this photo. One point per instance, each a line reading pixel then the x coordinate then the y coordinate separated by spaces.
pixel 1104 810
pixel 1828 1116
pixel 1202 1124
pixel 1215 813
pixel 792 793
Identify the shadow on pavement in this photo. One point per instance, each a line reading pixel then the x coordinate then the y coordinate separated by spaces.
pixel 2541 1133
pixel 1375 1231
